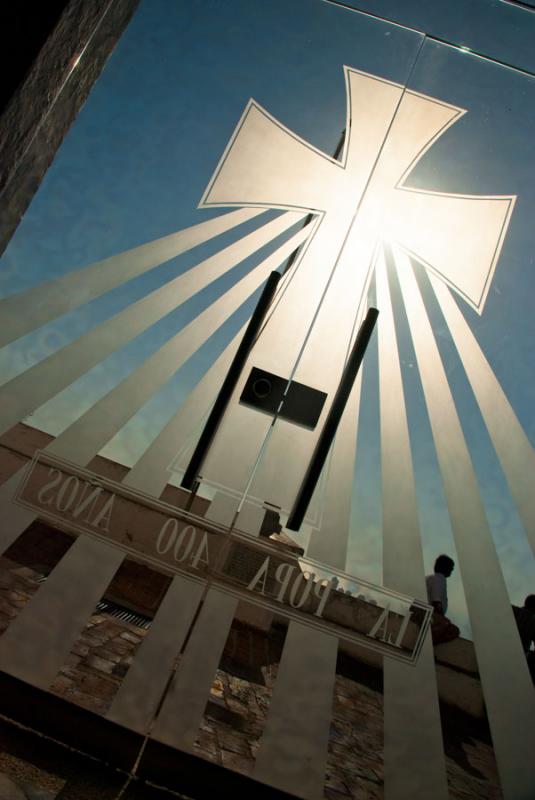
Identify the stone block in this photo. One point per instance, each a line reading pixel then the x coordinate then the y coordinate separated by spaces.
pixel 217 689
pixel 62 684
pixel 92 642
pixel 97 619
pixel 97 686
pixel 233 742
pixel 100 664
pixel 7 608
pixel 459 654
pixel 120 646
pixel 120 670
pixel 334 782
pixel 238 706
pixel 6 579
pixel 80 649
pixel 461 691
pixel 97 636
pixel 88 701
pixel 207 744
pixel 237 763
pixel 107 654
pixel 130 637
pixel 25 572
pixel 18 598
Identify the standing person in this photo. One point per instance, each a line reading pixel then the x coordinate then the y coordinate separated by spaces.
pixel 442 629
pixel 525 622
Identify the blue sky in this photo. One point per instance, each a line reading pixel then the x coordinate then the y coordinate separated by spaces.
pixel 498 29
pixel 137 159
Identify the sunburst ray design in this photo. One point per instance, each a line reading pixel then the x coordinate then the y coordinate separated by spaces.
pixel 403 567
pixel 38 384
pixel 512 446
pixel 362 199
pixel 91 432
pixel 499 652
pixel 25 311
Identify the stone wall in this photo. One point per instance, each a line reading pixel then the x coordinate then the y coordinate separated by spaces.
pixel 98 662
pixel 17 585
pixel 236 711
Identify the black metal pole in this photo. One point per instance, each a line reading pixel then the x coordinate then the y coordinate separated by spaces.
pixel 229 384
pixel 331 423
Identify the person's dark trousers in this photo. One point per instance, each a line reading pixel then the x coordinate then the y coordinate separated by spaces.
pixel 531 664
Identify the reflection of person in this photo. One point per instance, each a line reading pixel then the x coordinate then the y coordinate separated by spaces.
pixel 525 622
pixel 442 629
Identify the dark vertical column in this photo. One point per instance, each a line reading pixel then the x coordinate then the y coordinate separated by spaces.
pixel 331 423
pixel 229 384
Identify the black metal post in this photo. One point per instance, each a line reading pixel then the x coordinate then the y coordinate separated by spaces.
pixel 229 384
pixel 331 423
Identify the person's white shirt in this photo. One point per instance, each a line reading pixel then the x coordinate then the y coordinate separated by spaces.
pixel 436 589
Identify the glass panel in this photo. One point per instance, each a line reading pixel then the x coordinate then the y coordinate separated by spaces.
pixel 372 166
pixel 459 258
pixel 485 347
pixel 500 30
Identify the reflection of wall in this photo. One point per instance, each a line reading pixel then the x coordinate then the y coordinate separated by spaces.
pixel 141 588
pixel 238 703
pixel 240 695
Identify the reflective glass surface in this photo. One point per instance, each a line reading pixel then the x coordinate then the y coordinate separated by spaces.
pixel 497 29
pixel 134 168
pixel 372 163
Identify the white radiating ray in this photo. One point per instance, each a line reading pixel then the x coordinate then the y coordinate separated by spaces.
pixel 15 518
pixel 329 542
pixel 25 311
pixel 29 636
pixel 178 720
pixel 133 705
pixel 295 723
pixel 150 473
pixel 499 652
pixel 39 640
pixel 300 712
pixel 407 689
pixel 299 715
pixel 40 383
pixel 183 707
pixel 512 446
pixel 101 422
pixel 138 697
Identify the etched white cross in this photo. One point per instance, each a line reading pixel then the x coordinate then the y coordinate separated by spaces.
pixel 360 201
